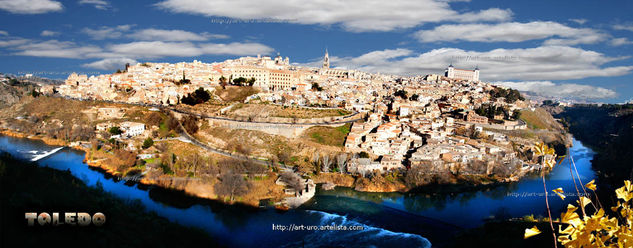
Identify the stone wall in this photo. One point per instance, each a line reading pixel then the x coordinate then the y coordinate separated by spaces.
pixel 278 127
pixel 287 130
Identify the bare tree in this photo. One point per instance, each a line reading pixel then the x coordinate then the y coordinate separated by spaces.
pixel 315 160
pixel 293 181
pixel 231 185
pixel 154 119
pixel 418 175
pixel 254 169
pixel 82 133
pixel 341 160
pixel 210 168
pixel 161 147
pixel 326 162
pixel 190 123
pixel 194 161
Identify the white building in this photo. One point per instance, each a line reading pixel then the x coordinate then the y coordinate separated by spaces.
pixel 470 75
pixel 132 129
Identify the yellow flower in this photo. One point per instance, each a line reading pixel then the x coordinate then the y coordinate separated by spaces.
pixel 624 192
pixel 531 232
pixel 591 185
pixel 583 201
pixel 559 192
pixel 571 217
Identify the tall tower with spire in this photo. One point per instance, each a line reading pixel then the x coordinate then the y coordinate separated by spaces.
pixel 326 60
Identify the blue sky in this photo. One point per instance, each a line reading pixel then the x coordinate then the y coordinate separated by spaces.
pixel 571 49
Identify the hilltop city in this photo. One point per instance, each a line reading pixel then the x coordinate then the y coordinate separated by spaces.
pixel 370 131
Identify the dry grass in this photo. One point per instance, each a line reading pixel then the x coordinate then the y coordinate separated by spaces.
pixel 264 188
pixel 343 180
pixel 539 119
pixel 247 142
pixel 331 136
pixel 68 111
pixel 270 110
pixel 234 93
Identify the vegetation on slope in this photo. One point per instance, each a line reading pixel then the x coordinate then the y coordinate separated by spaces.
pixel 332 136
pixel 607 130
pixel 235 93
pixel 539 119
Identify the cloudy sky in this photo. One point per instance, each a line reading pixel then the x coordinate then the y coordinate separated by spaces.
pixel 568 48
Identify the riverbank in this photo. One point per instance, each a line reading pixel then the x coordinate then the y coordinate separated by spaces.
pixel 235 225
pixel 193 187
pixel 388 184
pixel 462 209
pixel 205 189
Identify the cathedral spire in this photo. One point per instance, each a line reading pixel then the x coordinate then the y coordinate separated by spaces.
pixel 326 60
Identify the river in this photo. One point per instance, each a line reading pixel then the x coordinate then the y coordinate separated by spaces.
pixel 387 219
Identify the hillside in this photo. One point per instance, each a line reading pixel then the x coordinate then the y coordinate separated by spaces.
pixel 540 119
pixel 608 130
pixel 12 90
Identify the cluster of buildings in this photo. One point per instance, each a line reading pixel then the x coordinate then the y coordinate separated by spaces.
pixel 108 117
pixel 161 83
pixel 409 120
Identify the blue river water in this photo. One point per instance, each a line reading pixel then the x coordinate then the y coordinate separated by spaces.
pixel 387 219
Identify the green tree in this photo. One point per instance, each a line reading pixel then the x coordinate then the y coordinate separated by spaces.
pixel 363 155
pixel 34 93
pixel 197 97
pixel 239 81
pixel 115 131
pixel 223 82
pixel 401 93
pixel 251 81
pixel 315 86
pixel 149 142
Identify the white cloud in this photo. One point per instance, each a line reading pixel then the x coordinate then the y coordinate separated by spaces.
pixel 620 41
pixel 115 52
pixel 564 90
pixel 133 50
pixel 13 42
pixel 55 49
pixel 49 33
pixel 380 55
pixel 511 32
pixel 173 35
pixel 627 27
pixel 235 48
pixel 30 6
pixel 579 21
pixel 99 4
pixel 352 15
pixel 110 63
pixel 540 63
pixel 493 14
pixel 4 32
pixel 154 49
pixel 107 32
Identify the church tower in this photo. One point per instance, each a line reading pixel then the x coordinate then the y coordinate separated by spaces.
pixel 326 60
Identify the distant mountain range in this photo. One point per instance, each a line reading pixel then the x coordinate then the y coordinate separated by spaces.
pixel 32 79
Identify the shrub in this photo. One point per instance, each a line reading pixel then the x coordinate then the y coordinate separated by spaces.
pixel 149 142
